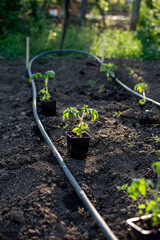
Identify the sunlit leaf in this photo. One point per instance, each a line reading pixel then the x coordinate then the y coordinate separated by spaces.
pixel 65 114
pixel 123 187
pixel 49 73
pixel 156 165
pixel 35 75
pixel 142 206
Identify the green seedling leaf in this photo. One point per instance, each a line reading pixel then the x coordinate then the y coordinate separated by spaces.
pixel 142 186
pixel 133 135
pixel 121 136
pixel 142 206
pixel 137 187
pixel 117 114
pixel 131 72
pixel 91 83
pixel 35 75
pixel 48 74
pixel 142 102
pixel 65 127
pixel 157 139
pixel 94 114
pixel 123 187
pixel 149 183
pixel 75 129
pixel 74 111
pixel 85 109
pixel 65 114
pixel 156 165
pixel 150 206
pixel 78 131
pixel 140 87
pixel 42 91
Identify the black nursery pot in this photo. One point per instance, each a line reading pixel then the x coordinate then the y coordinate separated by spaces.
pixel 77 147
pixel 49 107
pixel 139 233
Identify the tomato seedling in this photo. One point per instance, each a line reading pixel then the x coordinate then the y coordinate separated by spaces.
pixel 81 126
pixel 45 93
pixel 140 87
pixel 109 68
pixel 140 186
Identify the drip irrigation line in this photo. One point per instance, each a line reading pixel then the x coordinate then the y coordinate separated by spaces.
pixel 61 51
pixel 96 216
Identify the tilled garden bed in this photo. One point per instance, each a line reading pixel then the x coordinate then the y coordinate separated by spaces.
pixel 36 199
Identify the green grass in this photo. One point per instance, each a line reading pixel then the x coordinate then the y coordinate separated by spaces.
pixel 119 43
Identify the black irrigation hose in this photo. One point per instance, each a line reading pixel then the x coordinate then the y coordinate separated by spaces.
pixel 96 216
pixel 61 51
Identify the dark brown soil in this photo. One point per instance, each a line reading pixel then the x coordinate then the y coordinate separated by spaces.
pixel 36 199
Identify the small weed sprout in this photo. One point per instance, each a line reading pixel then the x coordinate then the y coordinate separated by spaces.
pixel 109 68
pixel 117 114
pixel 140 186
pixel 45 76
pixel 121 136
pixel 92 83
pixel 157 139
pixel 133 135
pixel 79 129
pixel 102 88
pixel 123 187
pixel 131 72
pixel 140 87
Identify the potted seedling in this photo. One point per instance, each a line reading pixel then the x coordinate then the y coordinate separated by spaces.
pixel 109 68
pixel 48 102
pixel 147 225
pixel 78 139
pixel 140 87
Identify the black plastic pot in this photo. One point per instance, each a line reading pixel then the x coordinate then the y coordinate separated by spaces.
pixel 49 107
pixel 77 147
pixel 139 233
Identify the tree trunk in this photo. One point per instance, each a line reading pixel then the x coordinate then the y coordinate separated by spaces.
pixel 135 14
pixel 101 12
pixel 83 11
pixel 65 24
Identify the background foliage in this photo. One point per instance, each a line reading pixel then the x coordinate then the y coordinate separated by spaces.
pixel 22 18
